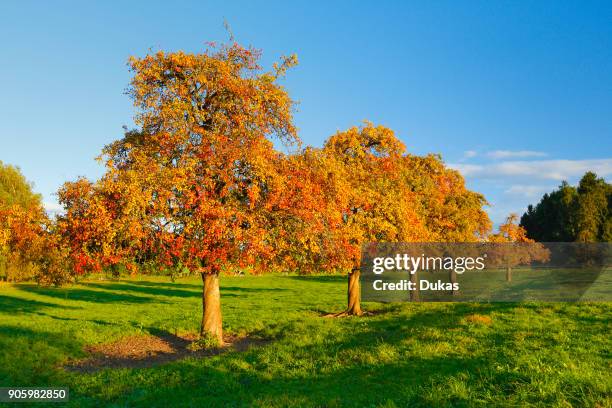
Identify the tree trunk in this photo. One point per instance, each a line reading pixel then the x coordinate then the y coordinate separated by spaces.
pixel 508 274
pixel 212 321
pixel 414 294
pixel 354 294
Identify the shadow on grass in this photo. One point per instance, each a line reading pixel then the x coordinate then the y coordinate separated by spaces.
pixel 369 376
pixel 318 278
pixel 291 374
pixel 86 295
pixel 156 348
pixel 170 291
pixel 149 290
pixel 30 357
pixel 169 283
pixel 250 290
pixel 362 362
pixel 13 305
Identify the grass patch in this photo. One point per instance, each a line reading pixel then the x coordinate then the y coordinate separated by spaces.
pixel 430 354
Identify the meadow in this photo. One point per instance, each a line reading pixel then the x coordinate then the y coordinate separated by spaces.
pixel 404 354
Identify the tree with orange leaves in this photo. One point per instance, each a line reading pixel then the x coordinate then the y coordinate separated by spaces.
pixel 379 194
pixel 518 248
pixel 380 206
pixel 450 211
pixel 202 159
pixel 304 220
pixel 29 247
pixel 94 224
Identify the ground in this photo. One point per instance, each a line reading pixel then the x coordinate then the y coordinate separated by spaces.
pixel 284 353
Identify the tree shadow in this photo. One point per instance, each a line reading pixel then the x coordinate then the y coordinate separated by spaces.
pixel 157 348
pixel 149 290
pixel 166 284
pixel 13 305
pixel 86 295
pixel 318 278
pixel 357 382
pixel 30 357
pixel 402 380
pixel 250 290
pixel 171 291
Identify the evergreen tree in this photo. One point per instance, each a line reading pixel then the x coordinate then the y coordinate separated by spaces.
pixel 568 214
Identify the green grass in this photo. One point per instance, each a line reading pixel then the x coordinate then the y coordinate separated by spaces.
pixel 547 354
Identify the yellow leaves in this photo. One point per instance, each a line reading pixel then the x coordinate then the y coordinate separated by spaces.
pixel 200 180
pixel 510 231
pixel 286 63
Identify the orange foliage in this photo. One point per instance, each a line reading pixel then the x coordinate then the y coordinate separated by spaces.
pixel 199 168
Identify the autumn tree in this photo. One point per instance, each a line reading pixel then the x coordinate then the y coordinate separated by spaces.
pixel 362 187
pixel 22 236
pixel 91 226
pixel 513 247
pixel 202 156
pixel 304 222
pixel 380 207
pixel 29 247
pixel 450 211
pixel 16 190
pixel 21 217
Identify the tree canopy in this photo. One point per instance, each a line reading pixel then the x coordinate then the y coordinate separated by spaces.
pixel 28 246
pixel 16 190
pixel 568 214
pixel 199 185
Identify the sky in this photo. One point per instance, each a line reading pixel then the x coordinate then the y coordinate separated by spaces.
pixel 517 95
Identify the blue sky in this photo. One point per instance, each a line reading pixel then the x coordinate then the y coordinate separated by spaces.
pixel 517 95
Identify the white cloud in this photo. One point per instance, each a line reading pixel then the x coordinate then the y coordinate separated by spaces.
pixel 468 154
pixel 514 154
pixel 466 169
pixel 539 169
pixel 528 191
pixel 52 208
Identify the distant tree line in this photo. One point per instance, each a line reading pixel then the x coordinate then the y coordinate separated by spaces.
pixel 569 214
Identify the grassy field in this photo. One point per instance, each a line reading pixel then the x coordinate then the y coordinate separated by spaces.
pixel 446 354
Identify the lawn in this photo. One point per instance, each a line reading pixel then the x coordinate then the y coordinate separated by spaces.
pixel 406 354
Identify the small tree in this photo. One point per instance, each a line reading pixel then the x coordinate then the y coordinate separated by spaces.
pixel 88 226
pixel 519 250
pixel 27 247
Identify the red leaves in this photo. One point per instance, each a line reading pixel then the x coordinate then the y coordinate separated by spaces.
pixel 200 185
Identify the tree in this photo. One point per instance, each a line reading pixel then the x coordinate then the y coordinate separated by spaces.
pixel 91 226
pixel 202 158
pixel 592 208
pixel 362 187
pixel 22 221
pixel 29 245
pixel 305 217
pixel 519 249
pixel 568 214
pixel 451 213
pixel 21 237
pixel 16 190
pixel 380 205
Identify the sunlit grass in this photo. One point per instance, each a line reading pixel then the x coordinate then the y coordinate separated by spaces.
pixel 445 354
